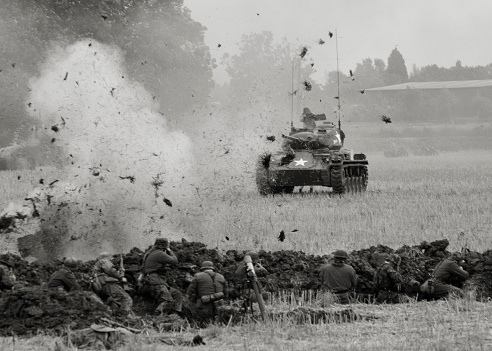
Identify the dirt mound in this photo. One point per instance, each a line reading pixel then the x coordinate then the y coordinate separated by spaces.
pixel 32 307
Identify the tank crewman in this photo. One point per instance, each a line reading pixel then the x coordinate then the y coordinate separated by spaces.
pixel 308 119
pixel 242 278
pixel 387 281
pixel 110 279
pixel 64 279
pixel 446 276
pixel 206 291
pixel 154 282
pixel 7 277
pixel 338 277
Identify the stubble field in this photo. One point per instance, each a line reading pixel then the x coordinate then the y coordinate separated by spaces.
pixel 408 200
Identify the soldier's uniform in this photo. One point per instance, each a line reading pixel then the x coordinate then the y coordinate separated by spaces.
pixel 387 281
pixel 7 277
pixel 154 282
pixel 206 290
pixel 110 279
pixel 64 277
pixel 447 273
pixel 338 278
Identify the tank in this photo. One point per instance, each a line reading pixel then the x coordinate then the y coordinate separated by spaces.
pixel 312 157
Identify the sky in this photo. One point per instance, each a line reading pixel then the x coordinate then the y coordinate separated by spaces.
pixel 425 32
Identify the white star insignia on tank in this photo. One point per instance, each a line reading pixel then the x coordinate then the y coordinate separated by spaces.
pixel 301 162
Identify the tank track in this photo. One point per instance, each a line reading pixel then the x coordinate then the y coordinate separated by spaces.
pixel 351 179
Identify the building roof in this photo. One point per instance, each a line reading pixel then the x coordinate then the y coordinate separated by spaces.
pixel 454 84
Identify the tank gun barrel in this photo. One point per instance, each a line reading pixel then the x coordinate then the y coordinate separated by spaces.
pixel 291 137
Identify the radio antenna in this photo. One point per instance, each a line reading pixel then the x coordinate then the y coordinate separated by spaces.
pixel 338 82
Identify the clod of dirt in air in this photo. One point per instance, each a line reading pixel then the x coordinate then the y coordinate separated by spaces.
pixel 307 85
pixel 312 64
pixel 53 140
pixel 219 45
pixel 66 76
pixel 303 52
pixel 321 42
pixel 18 177
pixel 90 44
pixel 385 119
pixel 13 65
pixel 270 138
pixel 295 230
pixel 281 236
pixel 168 202
pixel 330 34
pixel 351 73
pixel 54 128
pixel 29 104
pixel 104 17
pixel 130 178
pixel 52 183
pixel 41 181
pixel 112 89
pixel 362 91
pixel 336 97
pixel 227 238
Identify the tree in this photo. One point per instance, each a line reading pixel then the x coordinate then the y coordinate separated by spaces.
pixel 396 72
pixel 164 47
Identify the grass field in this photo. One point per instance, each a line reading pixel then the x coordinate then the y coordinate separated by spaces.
pixel 408 200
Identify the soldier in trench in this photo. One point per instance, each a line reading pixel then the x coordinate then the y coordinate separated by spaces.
pixel 117 298
pixel 64 278
pixel 388 281
pixel 445 277
pixel 243 279
pixel 207 291
pixel 338 277
pixel 154 284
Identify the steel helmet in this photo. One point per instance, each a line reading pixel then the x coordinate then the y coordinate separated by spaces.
pixel 394 258
pixel 70 262
pixel 340 254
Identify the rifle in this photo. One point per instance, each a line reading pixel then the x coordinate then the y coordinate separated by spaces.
pixel 122 272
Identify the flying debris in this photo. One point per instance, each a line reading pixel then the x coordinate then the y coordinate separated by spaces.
pixel 130 178
pixel 53 140
pixel 66 76
pixel 18 177
pixel 53 183
pixel 41 181
pixel 168 202
pixel 29 104
pixel 227 238
pixel 312 64
pixel 104 17
pixel 13 65
pixel 281 236
pixel 295 230
pixel 351 73
pixel 219 45
pixel 270 138
pixel 330 34
pixel 385 119
pixel 362 91
pixel 307 85
pixel 321 42
pixel 54 128
pixel 303 52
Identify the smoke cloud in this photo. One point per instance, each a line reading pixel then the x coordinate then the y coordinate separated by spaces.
pixel 120 157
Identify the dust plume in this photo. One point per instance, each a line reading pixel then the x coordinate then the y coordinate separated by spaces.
pixel 121 159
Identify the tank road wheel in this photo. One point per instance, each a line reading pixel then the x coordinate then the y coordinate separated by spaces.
pixel 262 175
pixel 337 180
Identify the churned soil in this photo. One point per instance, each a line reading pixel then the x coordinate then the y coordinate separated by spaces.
pixel 31 307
